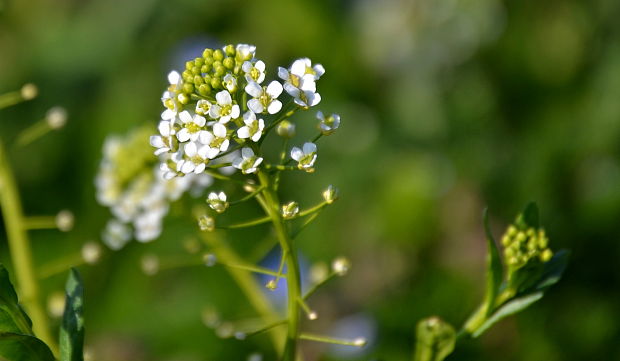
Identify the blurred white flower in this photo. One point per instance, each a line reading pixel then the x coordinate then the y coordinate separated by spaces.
pixel 116 234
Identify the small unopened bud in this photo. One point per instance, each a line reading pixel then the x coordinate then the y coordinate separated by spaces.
pixel 312 315
pixel 29 91
pixel 150 264
pixel 209 259
pixel 286 129
pixel 210 317
pixel 56 117
pixel 225 330
pixel 64 220
pixel 330 194
pixel 249 186
pixel 192 245
pixel 272 285
pixel 546 255
pixel 290 210
pixel 240 335
pixel 360 342
pixel 206 223
pixel 91 252
pixel 56 304
pixel 341 266
pixel 255 357
pixel 318 272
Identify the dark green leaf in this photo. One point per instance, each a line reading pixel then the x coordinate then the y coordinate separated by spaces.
pixel 72 329
pixel 12 316
pixel 494 266
pixel 509 308
pixel 553 270
pixel 17 347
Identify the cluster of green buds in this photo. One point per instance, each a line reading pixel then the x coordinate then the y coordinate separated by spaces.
pixel 523 246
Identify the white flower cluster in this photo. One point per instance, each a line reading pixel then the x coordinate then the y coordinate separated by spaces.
pixel 219 104
pixel 131 184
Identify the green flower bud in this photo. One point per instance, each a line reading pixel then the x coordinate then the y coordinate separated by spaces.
pixel 230 50
pixel 187 75
pixel 207 53
pixel 199 61
pixel 188 88
pixel 341 266
pixel 229 63
pixel 189 65
pixel 220 71
pixel 286 129
pixel 546 255
pixel 196 70
pixel 198 80
pixel 218 55
pixel 183 98
pixel 216 83
pixel 330 195
pixel 205 68
pixel 290 210
pixel 204 89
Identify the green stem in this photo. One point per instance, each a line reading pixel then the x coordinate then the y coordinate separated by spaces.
pixel 21 254
pixel 271 206
pixel 33 132
pixel 246 283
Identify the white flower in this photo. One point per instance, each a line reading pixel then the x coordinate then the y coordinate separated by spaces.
pixel 116 234
pixel 169 98
pixel 192 127
pixel 245 51
pixel 148 226
pixel 253 128
pixel 230 83
pixel 217 201
pixel 305 157
pixel 224 110
pixel 248 162
pixel 164 142
pixel 328 125
pixel 254 72
pixel 202 107
pixel 330 194
pixel 195 159
pixel 300 81
pixel 265 98
pixel 216 141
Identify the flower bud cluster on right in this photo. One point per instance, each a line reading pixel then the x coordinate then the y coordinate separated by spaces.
pixel 222 103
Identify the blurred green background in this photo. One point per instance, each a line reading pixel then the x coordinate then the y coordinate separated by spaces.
pixel 447 106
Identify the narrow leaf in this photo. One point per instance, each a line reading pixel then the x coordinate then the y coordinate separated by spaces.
pixel 494 266
pixel 12 316
pixel 435 340
pixel 529 217
pixel 17 347
pixel 509 308
pixel 553 270
pixel 72 329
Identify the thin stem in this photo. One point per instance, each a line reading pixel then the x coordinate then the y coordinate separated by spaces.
pixel 304 306
pixel 247 197
pixel 315 139
pixel 304 225
pixel 256 297
pixel 21 254
pixel 266 328
pixel 280 167
pixel 12 98
pixel 319 285
pixel 254 222
pixel 279 275
pixel 60 265
pixel 271 206
pixel 251 268
pixel 40 222
pixel 33 132
pixel 358 342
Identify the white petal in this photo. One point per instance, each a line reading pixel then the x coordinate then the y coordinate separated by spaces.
pixel 319 70
pixel 249 117
pixel 200 121
pixel 246 67
pixel 174 77
pixel 299 67
pixel 243 132
pixel 187 167
pixel 296 153
pixel 320 116
pixel 219 130
pixel 309 148
pixel 253 89
pixel 247 153
pixel 206 137
pixel 224 145
pixel 183 135
pixel 274 89
pixel 258 162
pixel 308 83
pixel 283 73
pixel 274 107
pixel 191 149
pixel 223 97
pixel 256 136
pixel 185 116
pixel 203 151
pixel 168 114
pixel 234 113
pixel 225 119
pixel 255 105
pixel 212 153
pixel 315 99
pixel 237 163
pixel 156 141
pixel 293 91
pixel 260 65
pixel 215 111
pixel 200 168
pixel 164 128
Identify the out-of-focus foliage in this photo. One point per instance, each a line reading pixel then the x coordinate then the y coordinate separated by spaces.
pixel 447 106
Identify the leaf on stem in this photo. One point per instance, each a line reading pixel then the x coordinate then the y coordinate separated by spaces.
pixel 72 329
pixel 509 308
pixel 18 347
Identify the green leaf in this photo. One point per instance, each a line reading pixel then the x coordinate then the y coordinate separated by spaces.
pixel 553 270
pixel 494 266
pixel 12 316
pixel 529 217
pixel 509 308
pixel 435 340
pixel 72 328
pixel 18 347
